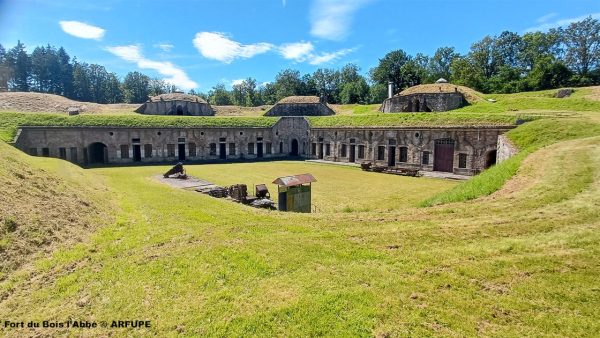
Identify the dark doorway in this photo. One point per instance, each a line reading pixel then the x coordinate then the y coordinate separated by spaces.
pixel 222 151
pixel 320 151
pixel 391 156
pixel 443 156
pixel 352 157
pixel 417 106
pixel 294 151
pixel 490 158
pixel 98 153
pixel 181 151
pixel 259 150
pixel 137 153
pixel 179 110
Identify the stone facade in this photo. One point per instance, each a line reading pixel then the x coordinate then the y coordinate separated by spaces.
pixel 300 106
pixel 460 150
pixel 423 102
pixel 470 150
pixel 122 145
pixel 176 104
pixel 505 148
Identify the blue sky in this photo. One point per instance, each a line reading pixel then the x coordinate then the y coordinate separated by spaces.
pixel 197 44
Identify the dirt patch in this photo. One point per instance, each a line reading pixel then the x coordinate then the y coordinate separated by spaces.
pixel 594 93
pixel 240 111
pixel 38 102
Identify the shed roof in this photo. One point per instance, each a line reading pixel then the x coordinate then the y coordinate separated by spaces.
pixel 289 181
pixel 176 97
pixel 300 99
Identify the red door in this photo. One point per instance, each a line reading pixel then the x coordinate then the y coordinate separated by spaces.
pixel 444 155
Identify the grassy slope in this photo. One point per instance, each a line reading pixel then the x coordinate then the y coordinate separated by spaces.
pixel 44 203
pixel 522 263
pixel 528 138
pixel 10 120
pixel 541 101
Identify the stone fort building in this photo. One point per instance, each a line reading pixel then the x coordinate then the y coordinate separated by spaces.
pixel 438 97
pixel 176 104
pixel 300 106
pixel 461 150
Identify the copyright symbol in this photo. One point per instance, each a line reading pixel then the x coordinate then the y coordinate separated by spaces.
pixel 103 324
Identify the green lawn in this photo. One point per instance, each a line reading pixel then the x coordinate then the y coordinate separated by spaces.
pixel 522 262
pixel 521 259
pixel 338 188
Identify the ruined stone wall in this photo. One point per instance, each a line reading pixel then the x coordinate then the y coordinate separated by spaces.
pixel 172 107
pixel 476 143
pixel 434 102
pixel 300 109
pixel 505 148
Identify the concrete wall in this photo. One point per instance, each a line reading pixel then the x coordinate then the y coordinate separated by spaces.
pixel 505 149
pixel 435 102
pixel 172 107
pixel 300 109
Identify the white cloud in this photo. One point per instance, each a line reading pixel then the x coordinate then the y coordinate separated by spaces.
pixel 546 17
pixel 165 47
pixel 304 51
pixel 82 30
pixel 237 82
pixel 331 19
pixel 328 57
pixel 217 46
pixel 172 73
pixel 544 26
pixel 297 51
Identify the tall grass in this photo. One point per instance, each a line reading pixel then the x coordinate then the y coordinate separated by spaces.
pixel 528 138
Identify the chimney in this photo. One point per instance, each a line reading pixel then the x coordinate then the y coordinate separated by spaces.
pixel 390 89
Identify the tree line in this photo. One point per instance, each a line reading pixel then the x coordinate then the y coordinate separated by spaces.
pixel 506 63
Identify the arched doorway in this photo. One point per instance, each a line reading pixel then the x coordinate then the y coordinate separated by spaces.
pixel 490 158
pixel 294 151
pixel 417 105
pixel 98 153
pixel 179 110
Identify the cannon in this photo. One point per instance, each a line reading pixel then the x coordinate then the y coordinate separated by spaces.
pixel 176 170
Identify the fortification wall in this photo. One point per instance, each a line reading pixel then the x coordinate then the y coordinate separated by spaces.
pixel 471 149
pixel 506 149
pixel 426 102
pixel 300 109
pixel 176 107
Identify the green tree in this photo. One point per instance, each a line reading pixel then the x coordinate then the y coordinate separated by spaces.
pixel 377 93
pixel 439 64
pixel 582 44
pixel 65 76
pixel 390 69
pixel 548 73
pixel 537 45
pixel 157 87
pixel 136 87
pixel 288 83
pixel 81 81
pixel 19 63
pixel 219 95
pixel 327 84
